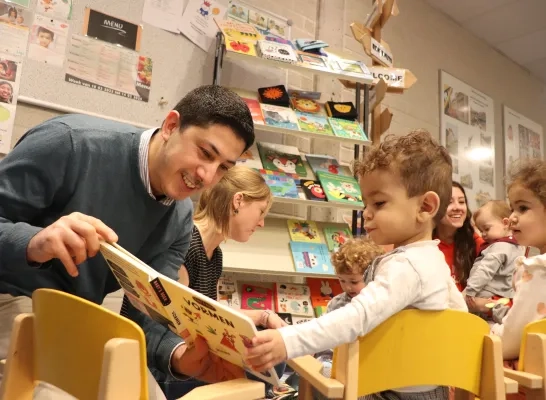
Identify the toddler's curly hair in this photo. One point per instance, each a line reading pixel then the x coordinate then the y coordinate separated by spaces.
pixel 355 256
pixel 531 174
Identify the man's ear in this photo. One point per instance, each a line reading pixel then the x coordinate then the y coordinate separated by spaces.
pixel 430 203
pixel 170 125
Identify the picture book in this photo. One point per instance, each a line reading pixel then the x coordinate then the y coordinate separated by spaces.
pixel 313 61
pixel 343 110
pixel 323 290
pixel 254 297
pixel 314 123
pixel 325 163
pixel 347 129
pixel 238 31
pixel 311 258
pixel 274 95
pixel 312 190
pixel 255 110
pixel 282 158
pixel 281 184
pixel 185 311
pixel 227 293
pixel 336 235
pixel 277 51
pixel 341 189
pixel 251 158
pixel 306 105
pixel 282 117
pixel 293 299
pixel 303 231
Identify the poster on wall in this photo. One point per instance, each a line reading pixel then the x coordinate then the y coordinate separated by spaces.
pixel 267 23
pixel 197 22
pixel 47 41
pixel 14 28
pixel 10 78
pixel 467 131
pixel 523 138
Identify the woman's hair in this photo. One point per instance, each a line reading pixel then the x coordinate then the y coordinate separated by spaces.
pixel 216 203
pixel 531 174
pixel 355 256
pixel 464 252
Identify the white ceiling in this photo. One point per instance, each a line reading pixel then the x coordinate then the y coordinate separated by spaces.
pixel 517 28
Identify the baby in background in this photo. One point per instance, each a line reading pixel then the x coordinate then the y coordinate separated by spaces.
pixel 491 274
pixel 406 186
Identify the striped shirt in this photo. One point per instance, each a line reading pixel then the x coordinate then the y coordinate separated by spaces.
pixel 143 150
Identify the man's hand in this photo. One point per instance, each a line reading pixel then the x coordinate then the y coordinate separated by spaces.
pixel 199 363
pixel 71 239
pixel 268 349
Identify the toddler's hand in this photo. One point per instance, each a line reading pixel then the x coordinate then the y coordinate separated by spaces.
pixel 267 350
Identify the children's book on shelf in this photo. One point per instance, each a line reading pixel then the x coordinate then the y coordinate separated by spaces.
pixel 282 158
pixel 185 311
pixel 336 235
pixel 313 61
pixel 347 129
pixel 277 51
pixel 274 95
pixel 312 190
pixel 281 184
pixel 239 37
pixel 255 297
pixel 325 163
pixel 251 158
pixel 227 293
pixel 255 110
pixel 343 110
pixel 341 189
pixel 311 258
pixel 323 290
pixel 294 299
pixel 314 123
pixel 298 319
pixel 303 231
pixel 281 117
pixel 305 105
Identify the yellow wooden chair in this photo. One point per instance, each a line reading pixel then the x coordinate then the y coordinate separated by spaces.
pixel 413 348
pixel 531 372
pixel 90 353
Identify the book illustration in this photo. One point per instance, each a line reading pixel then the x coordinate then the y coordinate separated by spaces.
pixel 311 258
pixel 292 289
pixel 281 184
pixel 277 51
pixel 185 311
pixel 344 110
pixel 336 236
pixel 282 117
pixel 274 95
pixel 313 123
pixel 339 188
pixel 312 190
pixel 278 157
pixel 323 290
pixel 303 231
pixel 293 299
pixel 305 105
pixel 251 158
pixel 286 317
pixel 255 110
pixel 239 37
pixel 319 310
pixel 347 129
pixel 238 12
pixel 227 293
pixel 255 297
pixel 312 61
pixel 326 163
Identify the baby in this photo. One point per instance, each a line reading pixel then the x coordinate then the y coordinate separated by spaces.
pixel 491 274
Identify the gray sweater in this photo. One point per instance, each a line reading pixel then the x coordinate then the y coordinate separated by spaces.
pixel 491 274
pixel 86 164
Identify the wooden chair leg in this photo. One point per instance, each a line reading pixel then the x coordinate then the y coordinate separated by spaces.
pixel 120 365
pixel 535 363
pixel 492 379
pixel 305 390
pixel 18 380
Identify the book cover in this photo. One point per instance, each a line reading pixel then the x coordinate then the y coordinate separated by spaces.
pixel 311 258
pixel 251 158
pixel 313 61
pixel 303 231
pixel 336 235
pixel 274 95
pixel 323 290
pixel 281 184
pixel 185 311
pixel 306 105
pixel 313 123
pixel 254 297
pixel 343 110
pixel 255 110
pixel 282 158
pixel 227 293
pixel 347 129
pixel 312 190
pixel 282 117
pixel 324 163
pixel 341 189
pixel 277 51
pixel 239 37
pixel 293 299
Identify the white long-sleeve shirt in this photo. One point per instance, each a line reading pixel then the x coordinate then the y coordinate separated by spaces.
pixel 414 276
pixel 529 304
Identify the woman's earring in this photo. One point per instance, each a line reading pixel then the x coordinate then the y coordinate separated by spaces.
pixel 236 211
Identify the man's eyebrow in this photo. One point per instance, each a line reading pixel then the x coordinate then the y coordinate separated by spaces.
pixel 215 149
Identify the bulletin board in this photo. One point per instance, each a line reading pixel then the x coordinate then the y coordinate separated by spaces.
pixel 178 67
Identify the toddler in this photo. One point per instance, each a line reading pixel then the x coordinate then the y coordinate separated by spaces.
pixel 491 274
pixel 406 185
pixel 527 195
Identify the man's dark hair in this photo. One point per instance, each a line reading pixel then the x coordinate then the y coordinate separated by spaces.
pixel 212 104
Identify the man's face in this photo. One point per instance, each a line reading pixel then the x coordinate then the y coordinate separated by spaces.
pixel 193 160
pixel 44 39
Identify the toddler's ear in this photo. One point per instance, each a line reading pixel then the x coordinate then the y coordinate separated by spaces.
pixel 430 203
pixel 506 222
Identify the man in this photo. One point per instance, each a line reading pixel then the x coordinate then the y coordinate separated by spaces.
pixel 75 179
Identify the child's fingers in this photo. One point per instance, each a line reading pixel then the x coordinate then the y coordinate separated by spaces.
pixel 262 337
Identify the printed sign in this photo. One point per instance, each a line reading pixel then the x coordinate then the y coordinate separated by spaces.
pixel 111 29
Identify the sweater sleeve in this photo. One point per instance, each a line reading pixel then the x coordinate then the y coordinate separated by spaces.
pixel 483 270
pixel 33 178
pixel 395 286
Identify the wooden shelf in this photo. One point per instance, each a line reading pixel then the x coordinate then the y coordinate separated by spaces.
pixel 293 132
pixel 280 64
pixel 313 203
pixel 267 252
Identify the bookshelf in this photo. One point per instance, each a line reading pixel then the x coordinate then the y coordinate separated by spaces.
pixel 313 203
